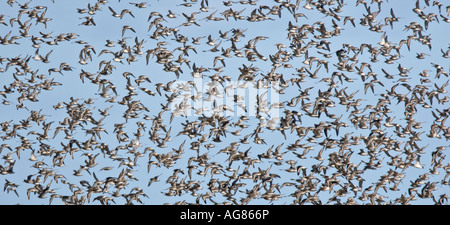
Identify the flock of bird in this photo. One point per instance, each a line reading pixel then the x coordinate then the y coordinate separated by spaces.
pixel 362 119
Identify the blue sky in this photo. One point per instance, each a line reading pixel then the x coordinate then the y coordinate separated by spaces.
pixel 66 19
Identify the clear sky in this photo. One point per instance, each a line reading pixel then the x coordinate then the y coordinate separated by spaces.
pixel 66 18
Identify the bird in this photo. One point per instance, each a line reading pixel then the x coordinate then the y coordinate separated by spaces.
pixel 122 13
pixel 89 21
pixel 125 28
